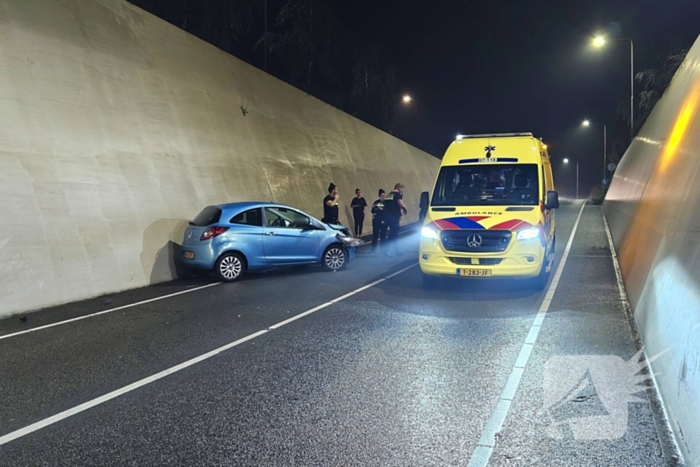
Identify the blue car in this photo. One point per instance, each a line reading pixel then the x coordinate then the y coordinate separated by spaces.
pixel 231 239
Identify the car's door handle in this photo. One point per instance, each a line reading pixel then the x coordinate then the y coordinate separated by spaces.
pixel 270 233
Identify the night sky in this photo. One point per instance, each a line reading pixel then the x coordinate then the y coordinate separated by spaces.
pixel 510 66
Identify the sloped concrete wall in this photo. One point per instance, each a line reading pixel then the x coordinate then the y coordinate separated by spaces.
pixel 653 208
pixel 116 128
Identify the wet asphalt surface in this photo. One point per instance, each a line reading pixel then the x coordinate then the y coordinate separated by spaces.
pixel 393 375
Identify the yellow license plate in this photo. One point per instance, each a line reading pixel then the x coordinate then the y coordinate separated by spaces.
pixel 474 272
pixel 189 255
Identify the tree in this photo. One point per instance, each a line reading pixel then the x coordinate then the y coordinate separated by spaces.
pixel 656 80
pixel 373 91
pixel 311 43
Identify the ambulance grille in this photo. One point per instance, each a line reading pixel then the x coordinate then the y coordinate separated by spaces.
pixel 476 241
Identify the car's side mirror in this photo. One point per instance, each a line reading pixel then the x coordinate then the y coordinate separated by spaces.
pixel 552 200
pixel 424 200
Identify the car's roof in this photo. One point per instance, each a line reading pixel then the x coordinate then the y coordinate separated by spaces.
pixel 247 205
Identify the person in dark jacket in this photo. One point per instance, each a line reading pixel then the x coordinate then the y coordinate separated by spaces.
pixel 330 206
pixel 394 207
pixel 358 206
pixel 378 225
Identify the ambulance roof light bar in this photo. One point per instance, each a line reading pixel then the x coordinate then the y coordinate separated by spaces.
pixel 494 135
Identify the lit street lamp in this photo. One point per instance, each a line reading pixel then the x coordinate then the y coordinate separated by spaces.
pixel 407 99
pixel 566 161
pixel 599 42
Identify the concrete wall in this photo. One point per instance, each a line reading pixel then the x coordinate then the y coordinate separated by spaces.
pixel 653 208
pixel 116 128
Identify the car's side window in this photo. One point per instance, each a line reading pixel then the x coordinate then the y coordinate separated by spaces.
pixel 286 218
pixel 252 217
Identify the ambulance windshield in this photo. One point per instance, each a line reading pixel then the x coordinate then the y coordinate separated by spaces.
pixel 493 184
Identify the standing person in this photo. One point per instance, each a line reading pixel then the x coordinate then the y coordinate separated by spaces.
pixel 358 206
pixel 378 224
pixel 394 207
pixel 330 206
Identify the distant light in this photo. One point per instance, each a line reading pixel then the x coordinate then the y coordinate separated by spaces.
pixel 407 99
pixel 598 41
pixel 566 161
pixel 586 123
pixel 460 136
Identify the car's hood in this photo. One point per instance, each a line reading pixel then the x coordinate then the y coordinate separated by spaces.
pixel 337 227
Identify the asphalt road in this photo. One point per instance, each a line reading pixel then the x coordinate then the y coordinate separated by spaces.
pixel 380 373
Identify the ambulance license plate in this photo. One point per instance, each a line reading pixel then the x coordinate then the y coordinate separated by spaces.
pixel 474 272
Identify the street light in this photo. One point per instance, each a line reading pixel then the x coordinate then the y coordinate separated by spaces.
pixel 586 123
pixel 599 42
pixel 407 99
pixel 566 161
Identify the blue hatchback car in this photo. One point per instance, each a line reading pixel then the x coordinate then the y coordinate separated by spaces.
pixel 233 238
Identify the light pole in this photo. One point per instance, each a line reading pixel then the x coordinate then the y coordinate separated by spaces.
pixel 265 34
pixel 586 123
pixel 599 42
pixel 566 161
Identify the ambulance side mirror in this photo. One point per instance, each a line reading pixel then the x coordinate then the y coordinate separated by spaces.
pixel 424 200
pixel 552 200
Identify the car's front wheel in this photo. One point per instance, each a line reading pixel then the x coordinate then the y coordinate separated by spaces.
pixel 335 258
pixel 230 267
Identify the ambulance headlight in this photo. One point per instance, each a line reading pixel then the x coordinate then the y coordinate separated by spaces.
pixel 429 233
pixel 529 234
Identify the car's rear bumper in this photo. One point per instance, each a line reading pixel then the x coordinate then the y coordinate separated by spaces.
pixel 204 256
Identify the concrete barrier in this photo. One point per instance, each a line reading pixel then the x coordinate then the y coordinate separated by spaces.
pixel 653 208
pixel 116 128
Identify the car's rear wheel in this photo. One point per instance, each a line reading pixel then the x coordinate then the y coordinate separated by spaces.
pixel 335 258
pixel 230 267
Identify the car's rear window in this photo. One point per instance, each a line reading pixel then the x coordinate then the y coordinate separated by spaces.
pixel 209 215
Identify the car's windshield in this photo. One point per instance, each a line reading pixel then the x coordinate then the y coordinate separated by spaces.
pixel 492 184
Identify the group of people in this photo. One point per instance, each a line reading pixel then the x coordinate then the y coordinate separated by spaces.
pixel 386 216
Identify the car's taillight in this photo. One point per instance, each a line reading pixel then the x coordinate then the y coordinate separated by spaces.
pixel 212 232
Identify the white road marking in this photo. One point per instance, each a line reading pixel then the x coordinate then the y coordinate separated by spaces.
pixel 188 290
pixel 487 442
pixel 111 310
pixel 119 392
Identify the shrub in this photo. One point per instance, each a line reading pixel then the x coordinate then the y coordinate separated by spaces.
pixel 598 194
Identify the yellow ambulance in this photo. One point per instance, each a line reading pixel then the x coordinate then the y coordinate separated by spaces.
pixel 491 212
